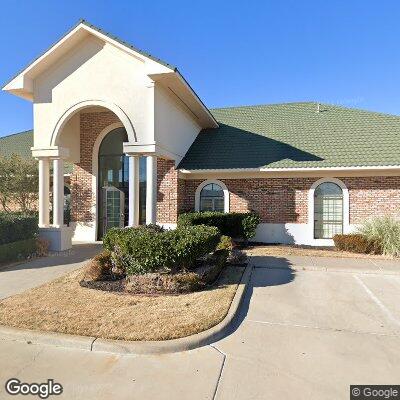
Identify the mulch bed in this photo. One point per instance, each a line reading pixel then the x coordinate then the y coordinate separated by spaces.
pixel 157 284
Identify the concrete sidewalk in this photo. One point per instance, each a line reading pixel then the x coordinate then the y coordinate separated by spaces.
pixel 303 332
pixel 20 277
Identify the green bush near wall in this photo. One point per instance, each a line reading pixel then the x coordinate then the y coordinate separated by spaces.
pixel 17 250
pixel 15 227
pixel 146 249
pixel 236 225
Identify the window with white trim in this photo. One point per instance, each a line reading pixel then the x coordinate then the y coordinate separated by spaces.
pixel 328 210
pixel 212 198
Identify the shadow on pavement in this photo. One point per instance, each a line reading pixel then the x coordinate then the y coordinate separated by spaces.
pixel 78 253
pixel 280 272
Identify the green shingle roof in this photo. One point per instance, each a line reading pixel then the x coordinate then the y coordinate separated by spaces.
pixel 279 136
pixel 17 143
pixel 296 135
pixel 21 143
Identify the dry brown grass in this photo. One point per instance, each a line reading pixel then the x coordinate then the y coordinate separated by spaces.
pixel 64 306
pixel 293 250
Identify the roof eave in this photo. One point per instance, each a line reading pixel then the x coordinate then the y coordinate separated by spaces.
pixel 213 121
pixel 176 84
pixel 294 169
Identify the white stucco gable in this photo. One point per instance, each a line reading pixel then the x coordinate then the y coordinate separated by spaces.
pixel 87 68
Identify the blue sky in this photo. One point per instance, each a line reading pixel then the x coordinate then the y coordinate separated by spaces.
pixel 232 53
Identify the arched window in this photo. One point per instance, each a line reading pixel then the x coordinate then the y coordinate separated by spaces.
pixel 328 210
pixel 212 198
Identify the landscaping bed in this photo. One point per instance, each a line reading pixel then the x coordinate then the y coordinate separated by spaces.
pixel 282 250
pixel 65 306
pixel 147 284
pixel 377 237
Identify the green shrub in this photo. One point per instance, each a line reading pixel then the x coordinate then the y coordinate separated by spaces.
pixel 225 243
pixel 356 243
pixel 250 223
pixel 18 250
pixel 385 231
pixel 141 250
pixel 236 225
pixel 17 226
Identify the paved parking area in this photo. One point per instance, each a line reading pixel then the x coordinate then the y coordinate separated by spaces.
pixel 305 331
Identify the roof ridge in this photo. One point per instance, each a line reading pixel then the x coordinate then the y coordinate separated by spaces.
pixel 305 102
pixel 125 43
pixel 264 105
pixel 16 133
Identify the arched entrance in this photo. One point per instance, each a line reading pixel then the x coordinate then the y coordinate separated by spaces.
pixel 113 183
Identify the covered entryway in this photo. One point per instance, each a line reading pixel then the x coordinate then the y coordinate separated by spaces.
pixel 113 183
pixel 85 86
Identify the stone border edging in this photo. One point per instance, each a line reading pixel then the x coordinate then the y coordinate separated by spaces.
pixel 91 343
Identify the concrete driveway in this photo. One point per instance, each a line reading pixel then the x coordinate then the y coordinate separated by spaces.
pixel 306 330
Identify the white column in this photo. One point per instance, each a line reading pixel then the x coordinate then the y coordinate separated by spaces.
pixel 44 186
pixel 58 192
pixel 133 190
pixel 151 190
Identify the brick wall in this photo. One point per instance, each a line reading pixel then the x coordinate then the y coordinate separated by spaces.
pixel 373 196
pixel 276 200
pixel 284 200
pixel 82 198
pixel 170 192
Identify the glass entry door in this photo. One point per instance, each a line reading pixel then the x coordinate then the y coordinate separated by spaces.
pixel 114 208
pixel 113 183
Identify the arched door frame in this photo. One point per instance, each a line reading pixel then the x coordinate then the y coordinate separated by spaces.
pixel 95 171
pixel 70 112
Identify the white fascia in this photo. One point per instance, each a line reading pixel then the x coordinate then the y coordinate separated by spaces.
pixel 319 169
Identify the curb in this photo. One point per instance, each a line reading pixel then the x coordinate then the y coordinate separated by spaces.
pixel 47 338
pixel 211 335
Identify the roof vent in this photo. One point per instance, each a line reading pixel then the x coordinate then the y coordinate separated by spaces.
pixel 318 107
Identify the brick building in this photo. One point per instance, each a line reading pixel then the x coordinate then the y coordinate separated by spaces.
pixel 139 146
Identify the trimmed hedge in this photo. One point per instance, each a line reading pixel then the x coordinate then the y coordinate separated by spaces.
pixel 17 250
pixel 236 225
pixel 357 243
pixel 141 250
pixel 15 227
